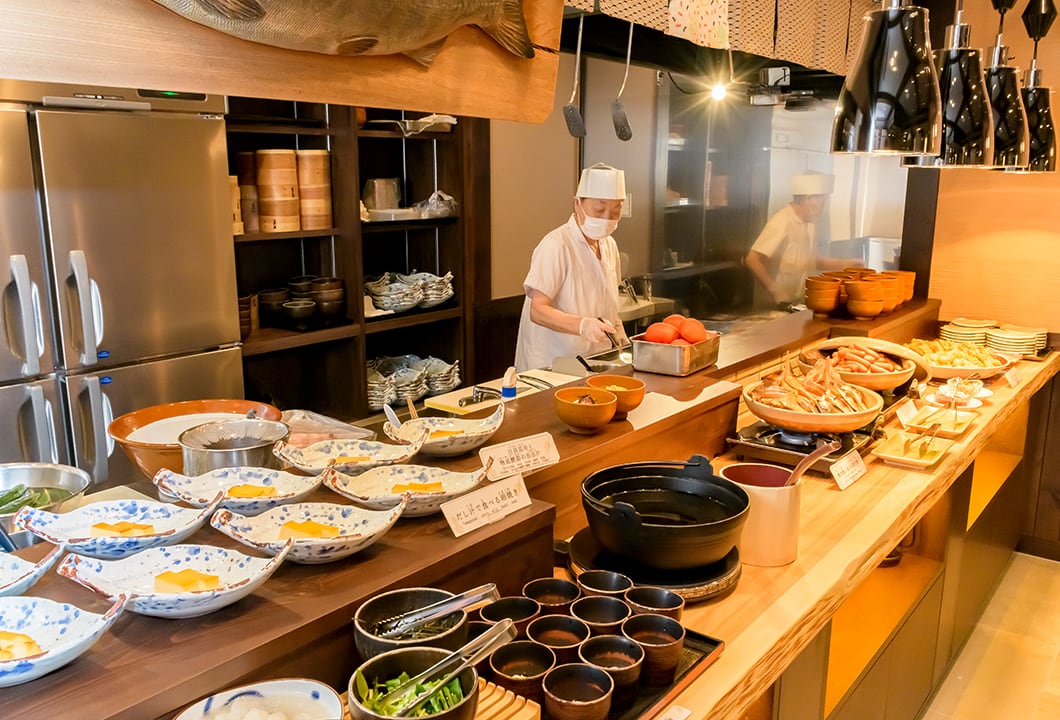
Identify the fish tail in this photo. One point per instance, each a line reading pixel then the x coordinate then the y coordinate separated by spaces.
pixel 510 31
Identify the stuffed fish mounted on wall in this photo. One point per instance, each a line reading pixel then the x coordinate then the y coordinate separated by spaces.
pixel 416 28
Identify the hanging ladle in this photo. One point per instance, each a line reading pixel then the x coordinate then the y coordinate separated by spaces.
pixel 810 459
pixel 571 113
pixel 618 112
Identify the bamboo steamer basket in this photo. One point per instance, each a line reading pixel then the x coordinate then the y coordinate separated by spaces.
pixel 277 177
pixel 314 167
pixel 815 422
pixel 314 188
pixel 275 160
pixel 278 215
pixel 246 168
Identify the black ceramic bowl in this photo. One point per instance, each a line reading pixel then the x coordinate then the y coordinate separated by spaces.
pixel 396 602
pixel 413 660
pixel 665 515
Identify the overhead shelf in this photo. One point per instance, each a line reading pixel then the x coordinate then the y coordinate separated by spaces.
pixel 294 235
pixel 267 340
pixel 394 322
pixel 384 226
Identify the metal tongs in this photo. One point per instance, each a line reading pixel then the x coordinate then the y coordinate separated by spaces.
pixel 925 438
pixel 470 654
pixel 407 622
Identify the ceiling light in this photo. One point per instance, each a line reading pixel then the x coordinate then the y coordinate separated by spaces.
pixel 1011 148
pixel 718 92
pixel 1038 17
pixel 890 102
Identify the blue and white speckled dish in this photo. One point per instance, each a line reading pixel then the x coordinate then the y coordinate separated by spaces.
pixel 317 457
pixel 134 576
pixel 62 631
pixel 313 698
pixel 73 530
pixel 200 489
pixel 17 575
pixel 374 489
pixel 358 528
pixel 471 433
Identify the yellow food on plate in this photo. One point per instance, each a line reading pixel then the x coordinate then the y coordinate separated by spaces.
pixel 187 580
pixel 121 529
pixel 350 459
pixel 947 353
pixel 307 529
pixel 439 434
pixel 418 487
pixel 15 646
pixel 247 490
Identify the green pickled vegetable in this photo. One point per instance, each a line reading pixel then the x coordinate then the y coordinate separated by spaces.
pixel 13 500
pixel 9 495
pixel 446 698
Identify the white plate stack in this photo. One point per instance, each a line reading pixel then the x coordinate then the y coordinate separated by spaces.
pixel 967 330
pixel 436 290
pixel 397 296
pixel 381 390
pixel 1011 341
pixel 1041 335
pixel 441 376
pixel 410 383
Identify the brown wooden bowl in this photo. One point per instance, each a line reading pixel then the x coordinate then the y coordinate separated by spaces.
pixel 587 418
pixel 815 422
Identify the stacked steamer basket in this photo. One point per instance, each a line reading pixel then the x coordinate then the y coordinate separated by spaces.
pixel 277 177
pixel 314 188
pixel 248 190
pixel 236 205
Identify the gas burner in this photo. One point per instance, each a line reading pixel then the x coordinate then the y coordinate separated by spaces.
pixel 762 441
pixel 791 437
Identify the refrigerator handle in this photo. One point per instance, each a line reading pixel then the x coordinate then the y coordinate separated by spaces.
pixel 43 430
pixel 30 312
pixel 86 300
pixel 98 429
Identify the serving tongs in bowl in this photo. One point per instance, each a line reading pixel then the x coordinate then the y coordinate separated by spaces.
pixel 405 623
pixel 924 439
pixel 472 653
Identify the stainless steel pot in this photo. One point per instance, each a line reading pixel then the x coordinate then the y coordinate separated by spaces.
pixel 241 442
pixel 40 475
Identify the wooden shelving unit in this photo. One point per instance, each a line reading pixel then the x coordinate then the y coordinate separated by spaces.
pixel 396 322
pixel 268 340
pixel 296 235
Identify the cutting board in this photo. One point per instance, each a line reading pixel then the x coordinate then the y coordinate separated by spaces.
pixel 450 402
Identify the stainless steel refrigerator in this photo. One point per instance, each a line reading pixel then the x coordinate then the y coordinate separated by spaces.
pixel 120 292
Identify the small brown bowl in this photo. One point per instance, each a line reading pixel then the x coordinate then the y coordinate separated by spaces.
pixel 327 295
pixel 662 639
pixel 863 290
pixel 301 283
pixel 325 283
pixel 645 599
pixel 619 657
pixel 864 309
pixel 577 691
pixel 628 391
pixel 562 633
pixel 602 613
pixel 585 418
pixel 330 307
pixel 520 610
pixel 299 309
pixel 520 667
pixel 604 582
pixel 555 595
pixel 274 295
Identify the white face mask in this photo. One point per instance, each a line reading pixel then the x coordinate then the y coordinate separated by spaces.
pixel 598 228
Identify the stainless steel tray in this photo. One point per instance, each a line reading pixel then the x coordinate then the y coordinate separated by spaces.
pixel 677 360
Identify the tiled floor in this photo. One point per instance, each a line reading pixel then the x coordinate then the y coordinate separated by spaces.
pixel 1010 667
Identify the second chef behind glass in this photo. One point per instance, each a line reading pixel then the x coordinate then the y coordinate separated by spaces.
pixel 572 286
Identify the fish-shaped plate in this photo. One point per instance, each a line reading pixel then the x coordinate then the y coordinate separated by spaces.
pixel 380 487
pixel 73 530
pixel 18 575
pixel 357 529
pixel 311 697
pixel 134 576
pixel 349 456
pixel 199 490
pixel 448 436
pixel 62 631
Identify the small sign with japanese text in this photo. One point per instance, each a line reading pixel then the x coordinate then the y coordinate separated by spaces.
pixel 486 505
pixel 906 412
pixel 1013 377
pixel 521 455
pixel 847 469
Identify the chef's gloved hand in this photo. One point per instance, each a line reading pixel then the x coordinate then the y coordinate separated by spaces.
pixel 593 330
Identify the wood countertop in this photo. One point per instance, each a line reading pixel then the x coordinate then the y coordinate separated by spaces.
pixel 774 613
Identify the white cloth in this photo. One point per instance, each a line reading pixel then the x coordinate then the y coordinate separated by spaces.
pixel 564 268
pixel 789 244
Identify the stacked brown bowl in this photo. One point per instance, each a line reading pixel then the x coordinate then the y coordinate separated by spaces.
pixel 329 295
pixel 822 294
pixel 863 292
pixel 245 322
pixel 865 298
pixel 270 305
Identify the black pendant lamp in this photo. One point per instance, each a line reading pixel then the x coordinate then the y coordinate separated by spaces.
pixel 890 103
pixel 1038 17
pixel 1011 147
pixel 967 117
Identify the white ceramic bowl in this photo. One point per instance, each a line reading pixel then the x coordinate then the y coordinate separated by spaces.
pixel 375 488
pixel 17 575
pixel 315 699
pixel 358 528
pixel 62 631
pixel 448 436
pixel 349 456
pixel 134 576
pixel 201 489
pixel 73 530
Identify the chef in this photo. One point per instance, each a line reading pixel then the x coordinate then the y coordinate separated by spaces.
pixel 572 287
pixel 785 252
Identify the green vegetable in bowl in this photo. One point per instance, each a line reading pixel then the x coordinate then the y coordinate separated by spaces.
pixel 446 698
pixel 13 499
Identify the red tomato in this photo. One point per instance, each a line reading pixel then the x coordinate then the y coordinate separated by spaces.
pixel 680 341
pixel 693 331
pixel 660 332
pixel 675 320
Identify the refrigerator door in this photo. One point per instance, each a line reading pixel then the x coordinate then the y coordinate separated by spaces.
pixel 138 218
pixel 25 343
pixel 31 423
pixel 93 400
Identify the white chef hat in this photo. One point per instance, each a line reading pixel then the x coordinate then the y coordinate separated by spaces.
pixel 812 183
pixel 602 182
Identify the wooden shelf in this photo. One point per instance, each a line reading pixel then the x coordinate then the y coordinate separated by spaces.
pixel 267 340
pixel 396 135
pixel 275 128
pixel 989 473
pixel 869 616
pixel 698 269
pixel 385 226
pixel 294 235
pixel 392 322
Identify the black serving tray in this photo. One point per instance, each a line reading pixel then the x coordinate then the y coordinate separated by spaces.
pixel 699 653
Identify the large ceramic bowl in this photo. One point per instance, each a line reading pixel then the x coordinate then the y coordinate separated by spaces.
pixel 294 697
pixel 38 477
pixel 134 576
pixel 913 363
pixel 17 575
pixel 451 634
pixel 169 524
pixel 62 631
pixel 413 661
pixel 448 436
pixel 944 372
pixel 384 487
pixel 628 391
pixel 351 456
pixel 355 529
pixel 201 489
pixel 585 418
pixel 815 422
pixel 149 435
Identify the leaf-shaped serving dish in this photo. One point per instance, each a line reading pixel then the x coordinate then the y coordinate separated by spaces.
pixel 349 456
pixel 18 575
pixel 448 436
pixel 247 490
pixel 384 487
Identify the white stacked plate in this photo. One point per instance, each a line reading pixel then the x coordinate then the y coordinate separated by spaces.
pixel 974 323
pixel 397 296
pixel 381 390
pixel 409 383
pixel 436 290
pixel 1041 335
pixel 959 333
pixel 1010 341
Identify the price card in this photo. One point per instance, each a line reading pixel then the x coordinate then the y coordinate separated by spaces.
pixel 1013 377
pixel 522 455
pixel 847 469
pixel 676 712
pixel 906 412
pixel 486 505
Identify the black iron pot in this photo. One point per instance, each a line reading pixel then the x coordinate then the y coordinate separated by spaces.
pixel 666 515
